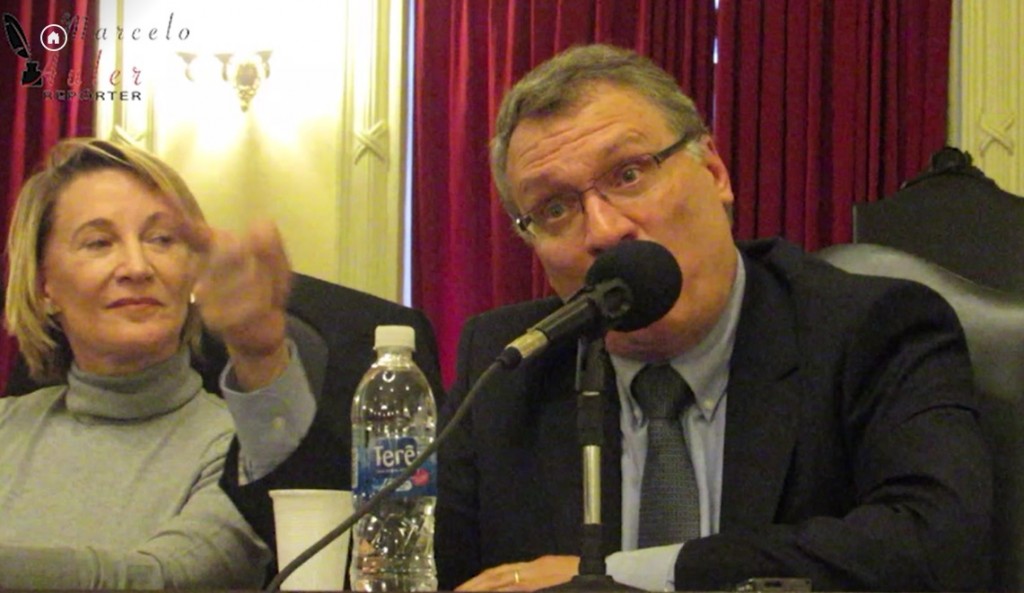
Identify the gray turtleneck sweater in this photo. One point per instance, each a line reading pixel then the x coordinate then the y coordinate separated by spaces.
pixel 111 483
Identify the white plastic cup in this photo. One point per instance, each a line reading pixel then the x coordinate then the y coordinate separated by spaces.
pixel 301 518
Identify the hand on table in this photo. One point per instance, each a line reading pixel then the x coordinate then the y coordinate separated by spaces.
pixel 545 571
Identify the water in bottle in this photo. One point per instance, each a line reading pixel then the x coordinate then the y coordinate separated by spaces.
pixel 393 418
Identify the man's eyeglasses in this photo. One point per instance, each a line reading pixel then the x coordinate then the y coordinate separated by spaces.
pixel 624 182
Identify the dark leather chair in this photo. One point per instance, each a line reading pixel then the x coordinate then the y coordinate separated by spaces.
pixel 993 323
pixel 955 216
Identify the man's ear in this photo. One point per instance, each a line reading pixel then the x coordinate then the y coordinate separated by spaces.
pixel 714 163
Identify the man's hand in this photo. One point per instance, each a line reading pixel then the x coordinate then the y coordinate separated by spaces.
pixel 545 571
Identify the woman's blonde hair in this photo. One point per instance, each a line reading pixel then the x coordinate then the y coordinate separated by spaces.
pixel 40 339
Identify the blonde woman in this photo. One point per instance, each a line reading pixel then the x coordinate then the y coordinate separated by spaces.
pixel 108 479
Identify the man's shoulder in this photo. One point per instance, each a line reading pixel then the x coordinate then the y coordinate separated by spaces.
pixel 486 334
pixel 804 272
pixel 825 296
pixel 514 318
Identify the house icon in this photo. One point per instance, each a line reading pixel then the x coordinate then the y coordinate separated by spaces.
pixel 54 37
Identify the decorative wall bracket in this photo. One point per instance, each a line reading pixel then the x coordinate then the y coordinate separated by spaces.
pixel 244 71
pixel 996 132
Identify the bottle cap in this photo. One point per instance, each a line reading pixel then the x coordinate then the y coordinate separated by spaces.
pixel 394 336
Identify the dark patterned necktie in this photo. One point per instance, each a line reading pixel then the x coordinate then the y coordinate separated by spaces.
pixel 669 502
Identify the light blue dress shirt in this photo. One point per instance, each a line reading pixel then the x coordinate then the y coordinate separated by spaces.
pixel 706 369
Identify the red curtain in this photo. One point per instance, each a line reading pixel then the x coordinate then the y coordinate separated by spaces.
pixel 31 124
pixel 822 104
pixel 466 257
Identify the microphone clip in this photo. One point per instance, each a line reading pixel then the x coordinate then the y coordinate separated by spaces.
pixel 613 300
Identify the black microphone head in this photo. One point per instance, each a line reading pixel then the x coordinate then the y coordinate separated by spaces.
pixel 651 273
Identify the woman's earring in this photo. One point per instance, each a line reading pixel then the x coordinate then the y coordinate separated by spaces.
pixel 50 308
pixel 191 298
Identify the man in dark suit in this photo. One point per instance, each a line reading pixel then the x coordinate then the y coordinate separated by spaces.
pixel 832 428
pixel 346 319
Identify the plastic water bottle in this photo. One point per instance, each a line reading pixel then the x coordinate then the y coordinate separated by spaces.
pixel 394 418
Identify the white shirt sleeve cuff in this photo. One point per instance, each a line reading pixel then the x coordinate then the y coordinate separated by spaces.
pixel 650 569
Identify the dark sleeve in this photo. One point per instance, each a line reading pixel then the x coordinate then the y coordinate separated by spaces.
pixel 920 468
pixel 426 356
pixel 457 535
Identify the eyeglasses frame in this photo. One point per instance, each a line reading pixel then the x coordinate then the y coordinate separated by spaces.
pixel 523 221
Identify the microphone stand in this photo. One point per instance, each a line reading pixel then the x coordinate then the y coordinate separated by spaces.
pixel 590 383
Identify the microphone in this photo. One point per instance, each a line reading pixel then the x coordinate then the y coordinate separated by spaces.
pixel 628 287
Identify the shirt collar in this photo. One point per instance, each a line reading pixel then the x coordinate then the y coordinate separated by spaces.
pixel 705 367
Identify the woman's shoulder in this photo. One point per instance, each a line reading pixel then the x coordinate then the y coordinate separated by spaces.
pixel 31 403
pixel 209 409
pixel 202 427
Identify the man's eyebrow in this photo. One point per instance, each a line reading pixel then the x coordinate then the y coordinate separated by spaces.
pixel 619 147
pixel 542 180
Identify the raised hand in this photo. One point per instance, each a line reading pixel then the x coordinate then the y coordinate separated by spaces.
pixel 241 290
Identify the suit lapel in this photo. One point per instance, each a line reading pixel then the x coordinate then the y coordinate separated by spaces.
pixel 763 400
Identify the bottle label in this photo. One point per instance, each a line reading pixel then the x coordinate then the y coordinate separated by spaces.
pixel 386 457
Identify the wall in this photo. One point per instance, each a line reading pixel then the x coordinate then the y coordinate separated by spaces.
pixel 319 149
pixel 987 88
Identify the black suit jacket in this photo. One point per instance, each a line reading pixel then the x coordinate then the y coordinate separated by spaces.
pixel 347 320
pixel 853 454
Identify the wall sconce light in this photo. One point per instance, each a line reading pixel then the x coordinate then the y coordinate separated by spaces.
pixel 245 72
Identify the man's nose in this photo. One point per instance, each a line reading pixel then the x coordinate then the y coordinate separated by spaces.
pixel 606 225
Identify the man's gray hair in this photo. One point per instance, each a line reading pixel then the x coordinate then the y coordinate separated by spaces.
pixel 556 86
